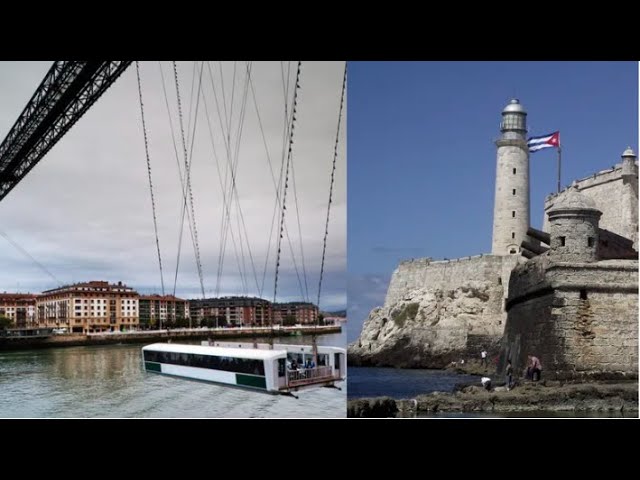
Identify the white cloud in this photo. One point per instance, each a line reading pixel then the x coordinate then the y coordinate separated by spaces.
pixel 84 211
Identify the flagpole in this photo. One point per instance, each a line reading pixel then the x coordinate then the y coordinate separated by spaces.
pixel 559 164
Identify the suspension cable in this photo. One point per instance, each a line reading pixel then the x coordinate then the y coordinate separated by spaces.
pixel 182 191
pixel 333 171
pixel 193 81
pixel 236 159
pixel 26 254
pixel 190 163
pixel 277 190
pixel 295 196
pixel 225 225
pixel 188 181
pixel 233 175
pixel 230 189
pixel 146 150
pixel 286 181
pixel 225 204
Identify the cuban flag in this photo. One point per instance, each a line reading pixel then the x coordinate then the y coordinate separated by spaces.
pixel 544 141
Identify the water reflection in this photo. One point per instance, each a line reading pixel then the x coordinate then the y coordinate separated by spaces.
pixel 109 381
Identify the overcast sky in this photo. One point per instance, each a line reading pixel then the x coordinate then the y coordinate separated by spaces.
pixel 84 212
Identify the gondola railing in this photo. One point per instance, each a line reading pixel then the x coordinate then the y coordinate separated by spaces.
pixel 305 376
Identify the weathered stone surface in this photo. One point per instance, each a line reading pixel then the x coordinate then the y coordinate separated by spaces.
pixel 434 313
pixel 615 193
pixel 372 408
pixel 448 274
pixel 576 337
pixel 511 206
pixel 569 308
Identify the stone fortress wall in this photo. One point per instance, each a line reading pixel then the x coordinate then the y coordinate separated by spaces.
pixel 487 273
pixel 581 320
pixel 445 274
pixel 615 192
pixel 571 308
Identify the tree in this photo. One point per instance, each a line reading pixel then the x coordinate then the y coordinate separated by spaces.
pixel 5 322
pixel 289 320
pixel 181 322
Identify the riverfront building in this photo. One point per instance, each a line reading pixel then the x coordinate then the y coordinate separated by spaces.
pixel 157 311
pixel 19 307
pixel 232 311
pixel 303 313
pixel 89 307
pixel 251 311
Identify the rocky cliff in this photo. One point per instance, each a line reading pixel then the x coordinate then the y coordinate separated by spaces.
pixel 436 313
pixel 432 325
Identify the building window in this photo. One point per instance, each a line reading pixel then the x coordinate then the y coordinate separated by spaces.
pixel 514 171
pixel 590 241
pixel 514 191
pixel 513 234
pixel 562 240
pixel 513 214
pixel 583 294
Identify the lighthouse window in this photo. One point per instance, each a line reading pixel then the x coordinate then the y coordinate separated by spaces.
pixel 514 191
pixel 590 241
pixel 513 214
pixel 562 241
pixel 514 171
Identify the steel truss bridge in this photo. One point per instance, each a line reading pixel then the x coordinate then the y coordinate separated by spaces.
pixel 66 93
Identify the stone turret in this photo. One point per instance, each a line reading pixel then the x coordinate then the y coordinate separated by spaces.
pixel 573 222
pixel 629 168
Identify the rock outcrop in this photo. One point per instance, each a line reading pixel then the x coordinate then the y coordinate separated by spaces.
pixel 430 327
pixel 607 399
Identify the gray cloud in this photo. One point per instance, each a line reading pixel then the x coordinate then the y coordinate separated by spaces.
pixel 365 292
pixel 85 213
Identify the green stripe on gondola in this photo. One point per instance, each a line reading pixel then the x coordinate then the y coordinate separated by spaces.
pixel 251 381
pixel 153 366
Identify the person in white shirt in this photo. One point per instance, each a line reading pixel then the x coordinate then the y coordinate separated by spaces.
pixel 483 358
pixel 486 383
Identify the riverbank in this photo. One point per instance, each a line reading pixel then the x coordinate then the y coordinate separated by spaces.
pixel 77 340
pixel 545 396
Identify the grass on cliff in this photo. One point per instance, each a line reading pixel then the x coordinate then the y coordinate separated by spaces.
pixel 409 312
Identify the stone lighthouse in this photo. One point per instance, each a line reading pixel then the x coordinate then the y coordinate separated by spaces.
pixel 511 207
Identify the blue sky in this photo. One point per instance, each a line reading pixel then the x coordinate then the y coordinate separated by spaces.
pixel 421 158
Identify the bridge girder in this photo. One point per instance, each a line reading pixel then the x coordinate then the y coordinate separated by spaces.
pixel 68 90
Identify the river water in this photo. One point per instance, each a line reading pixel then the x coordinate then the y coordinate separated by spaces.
pixel 109 382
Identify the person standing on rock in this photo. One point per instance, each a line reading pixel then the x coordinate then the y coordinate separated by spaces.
pixel 483 358
pixel 509 374
pixel 534 369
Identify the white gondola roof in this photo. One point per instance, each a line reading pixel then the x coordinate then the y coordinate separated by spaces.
pixel 218 351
